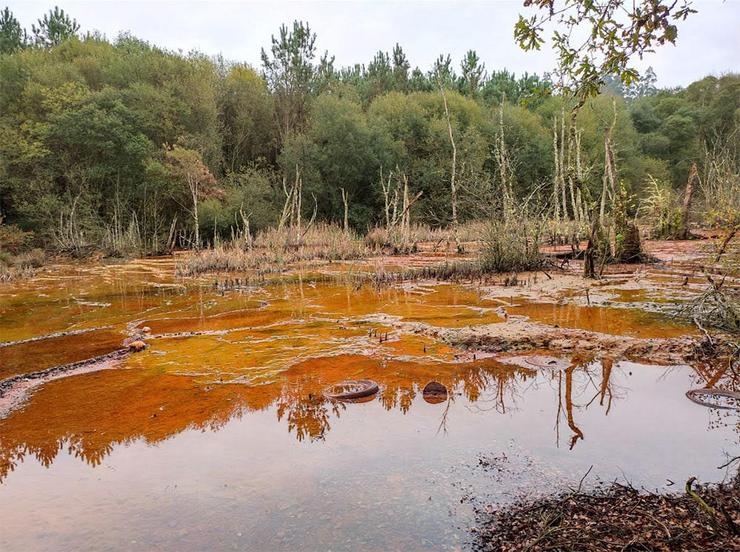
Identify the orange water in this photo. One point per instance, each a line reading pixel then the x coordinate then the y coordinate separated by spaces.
pixel 608 320
pixel 218 436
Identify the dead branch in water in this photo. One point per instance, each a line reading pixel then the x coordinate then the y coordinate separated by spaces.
pixel 725 243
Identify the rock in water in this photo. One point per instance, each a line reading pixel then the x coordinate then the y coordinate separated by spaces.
pixel 137 346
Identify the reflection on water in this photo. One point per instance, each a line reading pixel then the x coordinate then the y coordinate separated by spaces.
pixel 609 320
pixel 185 465
pixel 219 436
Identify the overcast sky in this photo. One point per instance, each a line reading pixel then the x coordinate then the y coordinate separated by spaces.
pixel 708 42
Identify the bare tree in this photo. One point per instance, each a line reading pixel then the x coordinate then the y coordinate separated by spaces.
pixel 346 209
pixel 609 180
pixel 188 166
pixel 506 172
pixel 453 187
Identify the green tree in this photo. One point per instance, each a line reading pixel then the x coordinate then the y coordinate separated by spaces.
pixel 291 74
pixel 12 35
pixel 54 28
pixel 419 81
pixel 473 74
pixel 379 75
pixel 340 150
pixel 401 68
pixel 501 85
pixel 246 114
pixel 442 73
pixel 194 183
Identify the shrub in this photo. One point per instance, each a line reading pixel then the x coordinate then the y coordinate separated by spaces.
pixel 512 245
pixel 721 191
pixel 661 210
pixel 34 258
pixel 13 239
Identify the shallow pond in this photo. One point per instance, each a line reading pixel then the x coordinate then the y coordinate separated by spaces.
pixel 218 435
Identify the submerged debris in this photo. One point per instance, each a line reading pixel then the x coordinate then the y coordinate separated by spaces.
pixel 351 389
pixel 715 398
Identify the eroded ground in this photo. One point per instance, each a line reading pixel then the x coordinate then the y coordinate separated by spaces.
pixel 218 435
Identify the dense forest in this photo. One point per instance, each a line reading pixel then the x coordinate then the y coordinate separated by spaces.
pixel 103 138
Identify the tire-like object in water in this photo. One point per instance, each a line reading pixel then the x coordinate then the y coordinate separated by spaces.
pixel 349 390
pixel 696 395
pixel 434 392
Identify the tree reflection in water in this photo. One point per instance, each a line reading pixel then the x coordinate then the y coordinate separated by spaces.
pixel 90 415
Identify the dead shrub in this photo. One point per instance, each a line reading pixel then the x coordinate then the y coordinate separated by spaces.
pixel 34 258
pixel 21 266
pixel 717 307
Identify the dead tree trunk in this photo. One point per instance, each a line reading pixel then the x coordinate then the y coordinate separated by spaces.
pixel 386 196
pixel 563 193
pixel 295 196
pixel 688 196
pixel 287 214
pixel 580 199
pixel 346 210
pixel 505 170
pixel 556 179
pixel 571 185
pixel 609 181
pixel 589 256
pixel 405 218
pixel 193 186
pixel 453 185
pixel 725 243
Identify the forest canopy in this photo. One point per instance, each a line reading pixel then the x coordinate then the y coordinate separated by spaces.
pixel 100 137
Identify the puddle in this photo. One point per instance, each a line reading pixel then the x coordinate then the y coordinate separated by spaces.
pixel 608 320
pixel 219 435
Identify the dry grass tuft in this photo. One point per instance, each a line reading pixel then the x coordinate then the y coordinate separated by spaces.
pixel 275 249
pixel 20 266
pixel 381 238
